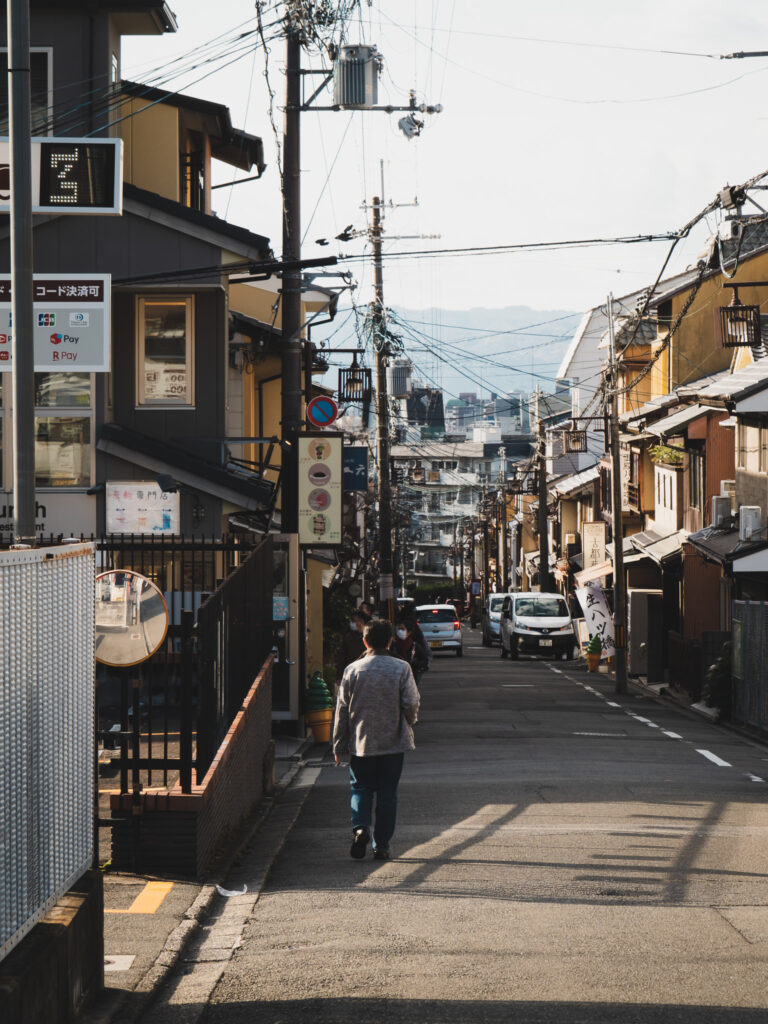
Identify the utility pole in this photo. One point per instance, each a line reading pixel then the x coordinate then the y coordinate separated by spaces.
pixel 386 588
pixel 19 95
pixel 619 580
pixel 292 390
pixel 504 542
pixel 545 577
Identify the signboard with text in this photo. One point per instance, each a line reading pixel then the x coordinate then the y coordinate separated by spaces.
pixel 598 616
pixel 593 538
pixel 71 329
pixel 355 469
pixel 320 488
pixel 141 506
pixel 69 175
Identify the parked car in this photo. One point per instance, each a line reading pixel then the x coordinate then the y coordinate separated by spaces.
pixel 491 623
pixel 441 627
pixel 535 623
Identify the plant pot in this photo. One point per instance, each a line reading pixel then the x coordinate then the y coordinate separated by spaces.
pixel 320 724
pixel 593 662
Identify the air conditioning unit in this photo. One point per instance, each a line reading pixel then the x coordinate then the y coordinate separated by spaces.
pixel 721 508
pixel 749 522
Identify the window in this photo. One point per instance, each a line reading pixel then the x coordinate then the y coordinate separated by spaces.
pixel 41 60
pixel 763 449
pixel 696 480
pixel 63 430
pixel 165 349
pixel 741 445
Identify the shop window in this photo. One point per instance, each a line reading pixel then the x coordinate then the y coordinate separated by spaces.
pixel 62 451
pixel 165 349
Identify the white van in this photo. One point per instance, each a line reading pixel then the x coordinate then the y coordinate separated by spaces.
pixel 535 623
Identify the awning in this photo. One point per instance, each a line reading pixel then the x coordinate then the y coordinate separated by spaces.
pixel 577 481
pixel 756 561
pixel 677 421
pixel 661 549
pixel 595 572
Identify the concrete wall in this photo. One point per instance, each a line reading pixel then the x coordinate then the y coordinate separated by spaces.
pixel 51 976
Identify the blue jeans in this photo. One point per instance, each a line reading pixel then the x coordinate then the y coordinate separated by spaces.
pixel 379 774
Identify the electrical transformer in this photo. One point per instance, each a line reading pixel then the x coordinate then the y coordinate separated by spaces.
pixel 356 77
pixel 399 378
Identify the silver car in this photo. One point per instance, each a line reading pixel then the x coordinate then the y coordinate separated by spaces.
pixel 441 627
pixel 491 625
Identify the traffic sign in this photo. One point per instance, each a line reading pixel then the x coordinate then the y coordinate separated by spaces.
pixel 322 411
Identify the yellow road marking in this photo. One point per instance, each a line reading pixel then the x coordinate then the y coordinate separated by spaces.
pixel 148 901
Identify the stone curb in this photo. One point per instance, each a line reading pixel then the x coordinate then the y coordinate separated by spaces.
pixel 182 935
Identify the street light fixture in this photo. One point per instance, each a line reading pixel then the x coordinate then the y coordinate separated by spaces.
pixel 737 325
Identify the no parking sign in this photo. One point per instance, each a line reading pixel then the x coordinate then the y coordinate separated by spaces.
pixel 322 411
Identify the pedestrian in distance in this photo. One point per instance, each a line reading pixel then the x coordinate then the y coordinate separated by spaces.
pixel 377 705
pixel 351 646
pixel 411 646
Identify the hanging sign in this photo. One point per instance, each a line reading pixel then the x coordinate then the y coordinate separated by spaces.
pixel 69 175
pixel 593 538
pixel 71 323
pixel 320 489
pixel 322 411
pixel 355 469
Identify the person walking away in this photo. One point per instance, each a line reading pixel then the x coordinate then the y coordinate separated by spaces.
pixel 377 705
pixel 410 648
pixel 351 646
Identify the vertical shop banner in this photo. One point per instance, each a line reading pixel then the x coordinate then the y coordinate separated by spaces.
pixel 355 469
pixel 593 538
pixel 598 616
pixel 320 488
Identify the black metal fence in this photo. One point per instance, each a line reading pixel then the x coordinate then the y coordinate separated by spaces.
pixel 234 631
pixel 749 702
pixel 160 717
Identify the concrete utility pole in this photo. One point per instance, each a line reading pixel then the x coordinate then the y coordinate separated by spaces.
pixel 19 95
pixel 292 390
pixel 386 585
pixel 545 577
pixel 504 559
pixel 619 580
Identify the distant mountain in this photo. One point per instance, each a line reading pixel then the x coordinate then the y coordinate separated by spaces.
pixel 509 349
pixel 488 350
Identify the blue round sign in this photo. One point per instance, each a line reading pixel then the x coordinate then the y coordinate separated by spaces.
pixel 322 411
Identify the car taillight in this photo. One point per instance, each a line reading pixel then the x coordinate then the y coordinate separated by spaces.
pixel 457 624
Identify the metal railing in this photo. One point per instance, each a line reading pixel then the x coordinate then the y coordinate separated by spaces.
pixel 234 629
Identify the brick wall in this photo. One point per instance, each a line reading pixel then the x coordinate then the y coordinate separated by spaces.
pixel 181 833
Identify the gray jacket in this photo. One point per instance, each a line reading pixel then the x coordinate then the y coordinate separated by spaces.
pixel 378 702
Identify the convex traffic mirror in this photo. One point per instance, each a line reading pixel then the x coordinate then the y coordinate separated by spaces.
pixel 131 618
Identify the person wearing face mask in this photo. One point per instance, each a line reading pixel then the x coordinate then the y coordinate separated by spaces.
pixel 351 646
pixel 411 647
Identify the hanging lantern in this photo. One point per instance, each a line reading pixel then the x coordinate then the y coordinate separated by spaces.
pixel 355 383
pixel 737 325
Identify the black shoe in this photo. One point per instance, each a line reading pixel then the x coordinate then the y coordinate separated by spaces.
pixel 359 843
pixel 381 854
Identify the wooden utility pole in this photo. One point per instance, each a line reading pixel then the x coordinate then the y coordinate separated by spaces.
pixel 619 580
pixel 292 390
pixel 386 585
pixel 545 577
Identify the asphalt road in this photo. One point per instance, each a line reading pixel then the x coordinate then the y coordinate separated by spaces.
pixel 562 855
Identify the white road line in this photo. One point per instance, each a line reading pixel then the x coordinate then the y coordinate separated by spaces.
pixel 517 686
pixel 672 735
pixel 558 670
pixel 754 778
pixel 714 758
pixel 622 735
pixel 613 704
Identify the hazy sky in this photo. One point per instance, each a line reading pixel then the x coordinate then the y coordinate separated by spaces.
pixel 573 132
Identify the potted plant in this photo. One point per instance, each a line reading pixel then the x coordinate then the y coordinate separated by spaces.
pixel 666 455
pixel 594 652
pixel 318 708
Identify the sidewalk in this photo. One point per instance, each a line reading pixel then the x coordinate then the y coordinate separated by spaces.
pixel 150 922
